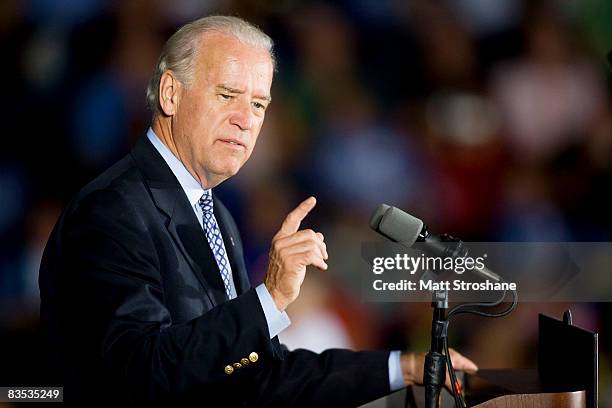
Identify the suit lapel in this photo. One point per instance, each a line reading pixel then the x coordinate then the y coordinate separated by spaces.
pixel 187 232
pixel 241 280
pixel 182 223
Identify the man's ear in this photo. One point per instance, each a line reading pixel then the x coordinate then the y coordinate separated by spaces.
pixel 169 88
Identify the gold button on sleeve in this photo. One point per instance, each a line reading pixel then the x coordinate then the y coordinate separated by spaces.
pixel 229 369
pixel 253 357
pixel 237 366
pixel 244 361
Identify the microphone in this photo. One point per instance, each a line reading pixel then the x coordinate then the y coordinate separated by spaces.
pixel 405 229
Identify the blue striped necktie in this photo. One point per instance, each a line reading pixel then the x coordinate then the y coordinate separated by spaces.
pixel 215 241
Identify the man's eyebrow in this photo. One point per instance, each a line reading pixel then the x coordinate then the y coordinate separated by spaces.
pixel 228 88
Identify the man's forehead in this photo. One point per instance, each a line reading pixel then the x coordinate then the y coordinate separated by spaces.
pixel 218 45
pixel 223 60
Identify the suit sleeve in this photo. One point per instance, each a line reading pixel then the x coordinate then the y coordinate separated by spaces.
pixel 333 378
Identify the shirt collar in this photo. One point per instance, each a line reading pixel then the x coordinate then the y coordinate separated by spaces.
pixel 193 189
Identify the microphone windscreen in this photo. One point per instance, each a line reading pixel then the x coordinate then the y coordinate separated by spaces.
pixel 400 226
pixel 377 216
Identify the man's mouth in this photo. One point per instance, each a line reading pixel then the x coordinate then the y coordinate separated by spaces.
pixel 233 142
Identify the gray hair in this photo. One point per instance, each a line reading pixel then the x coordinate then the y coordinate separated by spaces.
pixel 178 54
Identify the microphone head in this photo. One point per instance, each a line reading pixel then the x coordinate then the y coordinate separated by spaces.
pixel 377 216
pixel 400 227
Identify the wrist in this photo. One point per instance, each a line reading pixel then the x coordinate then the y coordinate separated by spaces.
pixel 408 365
pixel 277 297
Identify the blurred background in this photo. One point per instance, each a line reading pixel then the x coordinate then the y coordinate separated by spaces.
pixel 491 120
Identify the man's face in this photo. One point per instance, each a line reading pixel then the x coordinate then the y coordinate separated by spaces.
pixel 218 118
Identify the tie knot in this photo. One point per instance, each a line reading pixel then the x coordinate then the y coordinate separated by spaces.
pixel 206 202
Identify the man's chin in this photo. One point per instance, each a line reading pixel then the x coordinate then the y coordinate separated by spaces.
pixel 226 171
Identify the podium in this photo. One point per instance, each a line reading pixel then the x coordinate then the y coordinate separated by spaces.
pixel 517 388
pixel 567 373
pixel 566 377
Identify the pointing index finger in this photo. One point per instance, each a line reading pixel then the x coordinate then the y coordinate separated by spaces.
pixel 293 220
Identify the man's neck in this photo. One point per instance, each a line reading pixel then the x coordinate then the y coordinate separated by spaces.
pixel 163 129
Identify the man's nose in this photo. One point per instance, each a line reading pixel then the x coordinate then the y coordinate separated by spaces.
pixel 242 116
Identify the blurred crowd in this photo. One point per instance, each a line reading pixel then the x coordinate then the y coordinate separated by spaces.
pixel 491 120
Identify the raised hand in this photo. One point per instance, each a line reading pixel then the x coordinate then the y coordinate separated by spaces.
pixel 292 250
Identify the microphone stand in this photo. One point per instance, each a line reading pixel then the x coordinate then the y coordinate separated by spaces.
pixel 434 374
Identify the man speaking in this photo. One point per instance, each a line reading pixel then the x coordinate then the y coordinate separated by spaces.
pixel 145 294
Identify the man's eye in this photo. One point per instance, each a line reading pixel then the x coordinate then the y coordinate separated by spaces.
pixel 258 105
pixel 226 96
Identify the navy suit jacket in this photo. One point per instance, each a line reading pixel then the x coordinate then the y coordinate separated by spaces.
pixel 133 307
